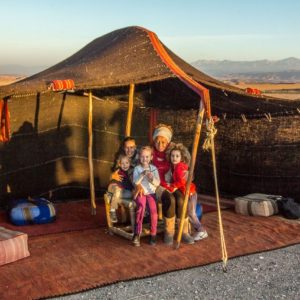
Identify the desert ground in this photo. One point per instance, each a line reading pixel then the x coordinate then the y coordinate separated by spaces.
pixel 265 275
pixel 289 91
pixel 8 79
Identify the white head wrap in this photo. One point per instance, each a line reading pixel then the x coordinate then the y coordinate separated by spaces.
pixel 164 132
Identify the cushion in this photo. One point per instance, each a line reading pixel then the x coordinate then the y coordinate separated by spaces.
pixel 32 211
pixel 199 211
pixel 256 205
pixel 13 245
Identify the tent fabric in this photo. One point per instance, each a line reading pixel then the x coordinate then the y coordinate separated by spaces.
pixel 129 55
pixel 192 84
pixel 49 129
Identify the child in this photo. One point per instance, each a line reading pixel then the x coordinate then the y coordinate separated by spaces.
pixel 128 148
pixel 120 188
pixel 199 232
pixel 146 175
pixel 180 158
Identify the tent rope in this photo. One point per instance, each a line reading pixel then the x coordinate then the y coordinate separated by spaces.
pixel 211 131
pixel 209 144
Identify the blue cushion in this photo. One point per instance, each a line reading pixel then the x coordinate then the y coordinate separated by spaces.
pixel 199 211
pixel 33 211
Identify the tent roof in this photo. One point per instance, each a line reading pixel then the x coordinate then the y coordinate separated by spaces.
pixel 127 56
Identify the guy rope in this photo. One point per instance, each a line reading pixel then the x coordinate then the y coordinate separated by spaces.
pixel 210 144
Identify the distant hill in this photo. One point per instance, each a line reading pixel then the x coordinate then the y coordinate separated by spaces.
pixel 20 70
pixel 8 79
pixel 285 70
pixel 273 71
pixel 270 77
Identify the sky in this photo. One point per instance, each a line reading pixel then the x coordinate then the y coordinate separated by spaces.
pixel 44 32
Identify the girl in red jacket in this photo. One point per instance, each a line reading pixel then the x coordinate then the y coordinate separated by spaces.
pixel 179 157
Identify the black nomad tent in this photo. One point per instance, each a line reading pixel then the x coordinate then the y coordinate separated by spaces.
pixel 257 144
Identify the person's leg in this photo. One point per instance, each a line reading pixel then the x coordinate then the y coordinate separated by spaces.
pixel 168 208
pixel 140 210
pixel 168 204
pixel 151 202
pixel 179 197
pixel 114 191
pixel 126 194
pixel 200 233
pixel 192 212
pixel 139 215
pixel 186 237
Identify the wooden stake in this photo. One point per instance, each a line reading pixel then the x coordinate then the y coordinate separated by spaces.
pixel 130 109
pixel 90 154
pixel 191 171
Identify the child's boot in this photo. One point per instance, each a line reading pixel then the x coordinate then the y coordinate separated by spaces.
pixel 136 240
pixel 186 237
pixel 169 230
pixel 152 240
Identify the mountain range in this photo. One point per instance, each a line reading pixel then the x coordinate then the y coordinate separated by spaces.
pixel 21 70
pixel 285 70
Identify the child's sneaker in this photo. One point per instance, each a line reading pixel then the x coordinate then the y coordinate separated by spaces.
pixel 200 235
pixel 136 240
pixel 113 216
pixel 152 240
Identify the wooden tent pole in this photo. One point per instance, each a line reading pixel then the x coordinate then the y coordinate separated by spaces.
pixel 130 109
pixel 90 154
pixel 191 171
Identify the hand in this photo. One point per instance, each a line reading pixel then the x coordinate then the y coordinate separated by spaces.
pixel 149 176
pixel 138 191
pixel 116 176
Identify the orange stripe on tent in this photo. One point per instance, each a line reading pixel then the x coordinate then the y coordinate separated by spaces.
pixel 190 82
pixel 4 121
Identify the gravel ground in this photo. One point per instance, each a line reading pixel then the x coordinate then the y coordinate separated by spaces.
pixel 268 275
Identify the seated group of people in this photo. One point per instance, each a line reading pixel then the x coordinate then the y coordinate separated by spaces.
pixel 152 174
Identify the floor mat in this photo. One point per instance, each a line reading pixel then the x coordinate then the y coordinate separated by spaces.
pixel 70 216
pixel 74 261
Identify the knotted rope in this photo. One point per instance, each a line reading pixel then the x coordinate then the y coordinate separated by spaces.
pixel 209 144
pixel 211 131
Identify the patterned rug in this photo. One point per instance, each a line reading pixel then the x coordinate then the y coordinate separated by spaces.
pixel 74 261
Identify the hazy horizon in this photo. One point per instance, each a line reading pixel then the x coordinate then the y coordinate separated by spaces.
pixel 21 70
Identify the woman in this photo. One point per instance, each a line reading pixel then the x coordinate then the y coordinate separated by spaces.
pixel 128 148
pixel 171 205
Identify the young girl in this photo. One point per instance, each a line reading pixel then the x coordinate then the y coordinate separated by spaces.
pixel 180 158
pixel 145 175
pixel 120 188
pixel 128 148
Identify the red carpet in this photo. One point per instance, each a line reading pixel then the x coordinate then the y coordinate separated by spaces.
pixel 70 216
pixel 74 261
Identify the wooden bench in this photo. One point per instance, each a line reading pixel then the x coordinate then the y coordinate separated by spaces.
pixel 125 226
